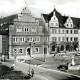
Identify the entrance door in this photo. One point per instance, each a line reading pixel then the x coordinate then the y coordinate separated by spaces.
pixel 53 48
pixel 28 51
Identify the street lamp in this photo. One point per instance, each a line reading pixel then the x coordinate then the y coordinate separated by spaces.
pixel 29 66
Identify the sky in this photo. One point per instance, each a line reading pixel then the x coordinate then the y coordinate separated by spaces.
pixel 65 7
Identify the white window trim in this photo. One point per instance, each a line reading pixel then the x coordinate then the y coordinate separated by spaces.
pixel 26 29
pixel 30 39
pixel 37 39
pixel 35 49
pixel 22 39
pixel 33 29
pixel 46 39
pixel 15 39
pixel 16 50
pixel 19 49
pixel 19 29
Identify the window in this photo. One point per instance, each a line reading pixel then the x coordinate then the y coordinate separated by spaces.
pixel 46 39
pixel 71 25
pixel 75 39
pixel 36 50
pixel 20 51
pixel 19 29
pixel 59 31
pixel 67 24
pixel 56 24
pixel 36 39
pixel 54 31
pixel 26 29
pixel 67 38
pixel 71 38
pixel 63 39
pixel 59 38
pixel 30 39
pixel 15 39
pixel 22 39
pixel 51 24
pixel 71 31
pixel 67 31
pixel 53 38
pixel 14 51
pixel 62 31
pixel 75 31
pixel 34 29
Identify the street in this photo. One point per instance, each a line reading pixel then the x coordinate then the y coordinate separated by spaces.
pixel 53 75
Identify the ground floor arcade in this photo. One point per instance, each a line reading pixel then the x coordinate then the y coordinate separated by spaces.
pixel 63 46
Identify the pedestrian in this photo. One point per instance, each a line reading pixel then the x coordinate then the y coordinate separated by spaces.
pixel 32 72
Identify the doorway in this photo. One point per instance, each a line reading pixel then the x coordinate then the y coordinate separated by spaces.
pixel 28 51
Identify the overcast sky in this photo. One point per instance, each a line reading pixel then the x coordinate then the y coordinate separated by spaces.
pixel 65 7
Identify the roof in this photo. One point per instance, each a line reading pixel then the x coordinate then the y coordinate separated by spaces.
pixel 5 22
pixel 62 19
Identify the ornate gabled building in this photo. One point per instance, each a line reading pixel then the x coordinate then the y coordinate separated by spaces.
pixel 63 30
pixel 28 36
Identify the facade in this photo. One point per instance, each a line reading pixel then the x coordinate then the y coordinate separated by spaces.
pixel 28 36
pixel 64 32
pixel 4 32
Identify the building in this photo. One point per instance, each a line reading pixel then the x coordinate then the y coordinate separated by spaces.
pixel 4 32
pixel 28 36
pixel 63 30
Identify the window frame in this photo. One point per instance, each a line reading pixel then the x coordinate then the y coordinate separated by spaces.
pixel 37 48
pixel 19 50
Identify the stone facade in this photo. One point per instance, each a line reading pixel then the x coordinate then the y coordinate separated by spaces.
pixel 28 36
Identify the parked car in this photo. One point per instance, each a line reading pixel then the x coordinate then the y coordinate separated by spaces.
pixel 78 54
pixel 63 67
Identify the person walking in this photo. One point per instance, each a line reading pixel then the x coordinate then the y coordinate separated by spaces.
pixel 32 72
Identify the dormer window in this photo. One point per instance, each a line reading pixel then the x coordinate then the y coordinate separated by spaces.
pixel 56 24
pixel 51 24
pixel 67 24
pixel 71 25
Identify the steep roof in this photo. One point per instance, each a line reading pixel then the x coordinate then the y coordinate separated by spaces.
pixel 5 22
pixel 62 19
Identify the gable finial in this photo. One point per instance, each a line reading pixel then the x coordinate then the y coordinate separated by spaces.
pixel 54 8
